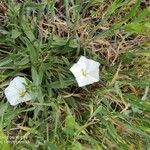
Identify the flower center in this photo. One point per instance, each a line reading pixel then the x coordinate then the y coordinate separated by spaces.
pixel 84 73
pixel 22 93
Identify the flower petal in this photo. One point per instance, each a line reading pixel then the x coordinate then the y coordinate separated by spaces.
pixel 94 74
pixel 13 91
pixel 92 66
pixel 25 98
pixel 12 95
pixel 76 70
pixel 83 62
pixel 83 81
pixel 89 67
pixel 18 83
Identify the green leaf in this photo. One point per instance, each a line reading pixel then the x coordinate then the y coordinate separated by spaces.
pixel 59 85
pixel 33 52
pixel 70 125
pixel 15 34
pixel 3 142
pixel 135 27
pixel 77 146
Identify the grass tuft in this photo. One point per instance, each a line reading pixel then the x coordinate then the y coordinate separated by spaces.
pixel 41 39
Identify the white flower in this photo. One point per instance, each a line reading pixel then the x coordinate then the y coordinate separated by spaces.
pixel 16 91
pixel 86 71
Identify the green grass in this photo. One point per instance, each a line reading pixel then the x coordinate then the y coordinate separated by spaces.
pixel 41 41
